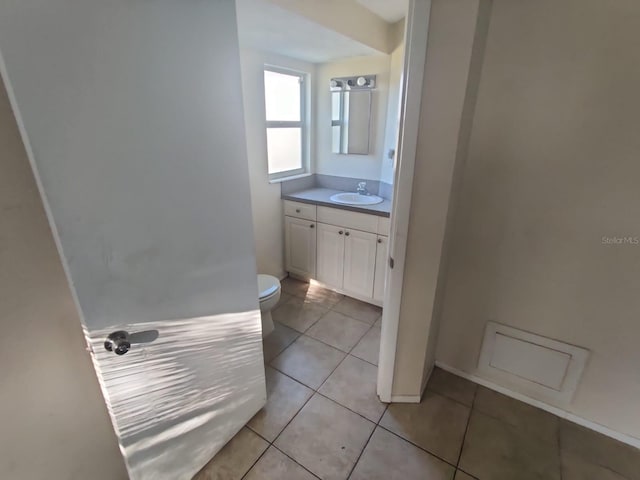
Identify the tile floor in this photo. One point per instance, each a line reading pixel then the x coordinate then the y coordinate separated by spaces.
pixel 323 418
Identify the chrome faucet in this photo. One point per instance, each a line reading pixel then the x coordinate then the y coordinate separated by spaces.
pixel 362 188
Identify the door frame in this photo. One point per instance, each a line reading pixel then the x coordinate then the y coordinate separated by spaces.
pixel 416 35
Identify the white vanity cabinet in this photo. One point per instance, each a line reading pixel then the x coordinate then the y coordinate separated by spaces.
pixel 349 249
pixel 300 241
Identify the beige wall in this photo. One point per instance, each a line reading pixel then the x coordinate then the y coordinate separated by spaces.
pixel 54 420
pixel 554 166
pixel 445 96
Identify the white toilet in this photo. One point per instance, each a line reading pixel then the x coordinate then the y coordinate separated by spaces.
pixel 269 288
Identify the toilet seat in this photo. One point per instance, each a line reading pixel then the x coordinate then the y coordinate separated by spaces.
pixel 268 286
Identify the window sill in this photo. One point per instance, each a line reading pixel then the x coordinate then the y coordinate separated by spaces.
pixel 292 177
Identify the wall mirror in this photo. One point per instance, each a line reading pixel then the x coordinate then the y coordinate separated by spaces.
pixel 351 99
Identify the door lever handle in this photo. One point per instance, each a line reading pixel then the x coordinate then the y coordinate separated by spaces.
pixel 118 342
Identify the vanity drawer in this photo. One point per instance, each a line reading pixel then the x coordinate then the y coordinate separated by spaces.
pixel 299 210
pixel 347 219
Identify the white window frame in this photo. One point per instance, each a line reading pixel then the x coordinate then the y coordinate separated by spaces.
pixel 303 124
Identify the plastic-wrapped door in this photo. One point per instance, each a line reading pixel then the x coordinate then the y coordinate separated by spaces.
pixel 131 113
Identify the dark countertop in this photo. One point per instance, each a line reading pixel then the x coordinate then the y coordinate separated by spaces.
pixel 320 196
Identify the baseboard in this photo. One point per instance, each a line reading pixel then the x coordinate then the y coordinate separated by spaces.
pixel 622 437
pixel 413 398
pixel 406 398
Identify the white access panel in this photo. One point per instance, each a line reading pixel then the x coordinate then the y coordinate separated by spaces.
pixel 543 368
pixel 530 361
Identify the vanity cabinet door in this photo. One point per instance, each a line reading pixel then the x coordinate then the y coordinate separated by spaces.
pixel 300 246
pixel 331 240
pixel 359 262
pixel 381 267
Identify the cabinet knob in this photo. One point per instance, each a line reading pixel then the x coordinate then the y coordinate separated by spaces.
pixel 340 232
pixel 379 240
pixel 312 226
pixel 346 234
pixel 297 210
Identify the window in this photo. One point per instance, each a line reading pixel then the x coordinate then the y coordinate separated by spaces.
pixel 285 98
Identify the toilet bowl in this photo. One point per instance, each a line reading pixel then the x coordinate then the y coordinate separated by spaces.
pixel 269 294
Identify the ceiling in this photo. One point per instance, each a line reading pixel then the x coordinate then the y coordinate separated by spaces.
pixel 267 27
pixel 389 10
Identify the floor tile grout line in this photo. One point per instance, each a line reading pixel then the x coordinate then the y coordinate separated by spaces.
pixel 466 473
pixel 254 463
pixel 371 324
pixel 335 401
pixel 358 343
pixel 305 335
pixel 306 329
pixel 365 361
pixel 466 429
pixel 360 339
pixel 352 411
pixel 288 344
pixel 418 446
pixel 295 461
pixel 313 338
pixel 375 427
pixel 429 388
pixel 513 426
pixel 559 448
pixel 324 343
pixel 367 331
pixel 299 381
pixel 313 302
pixel 355 464
pixel 272 443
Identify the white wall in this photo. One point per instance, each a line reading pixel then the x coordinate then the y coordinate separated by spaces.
pixel 553 167
pixel 54 419
pixel 266 204
pixel 366 167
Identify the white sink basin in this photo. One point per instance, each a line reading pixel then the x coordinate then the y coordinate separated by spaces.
pixel 348 198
